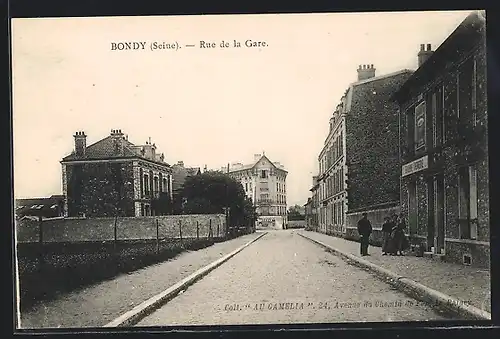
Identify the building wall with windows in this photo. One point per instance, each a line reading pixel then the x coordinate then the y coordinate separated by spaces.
pixel 264 182
pixel 332 177
pixel 113 177
pixel 444 151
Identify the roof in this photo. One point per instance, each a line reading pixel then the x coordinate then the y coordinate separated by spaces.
pixel 40 206
pixel 462 40
pixel 250 166
pixel 104 149
pixel 180 173
pixel 354 93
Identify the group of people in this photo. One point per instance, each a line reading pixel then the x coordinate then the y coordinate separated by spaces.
pixel 393 230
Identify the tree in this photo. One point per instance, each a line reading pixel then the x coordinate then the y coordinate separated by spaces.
pixel 211 192
pixel 162 205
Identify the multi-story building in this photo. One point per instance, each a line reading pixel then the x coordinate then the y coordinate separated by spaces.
pixel 312 203
pixel 359 163
pixel 113 177
pixel 264 183
pixel 443 123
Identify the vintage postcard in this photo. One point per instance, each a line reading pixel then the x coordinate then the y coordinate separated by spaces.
pixel 322 168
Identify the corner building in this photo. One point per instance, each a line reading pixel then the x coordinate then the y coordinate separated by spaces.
pixel 264 182
pixel 444 150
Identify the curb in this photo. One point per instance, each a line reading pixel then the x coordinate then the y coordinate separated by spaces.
pixel 133 316
pixel 411 287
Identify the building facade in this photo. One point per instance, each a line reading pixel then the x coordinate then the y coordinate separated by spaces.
pixel 50 207
pixel 444 151
pixel 264 183
pixel 312 204
pixel 359 163
pixel 113 177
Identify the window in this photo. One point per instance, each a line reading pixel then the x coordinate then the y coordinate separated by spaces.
pixel 165 188
pixel 443 117
pixel 474 91
pixel 263 174
pixel 458 94
pixel 467 202
pixel 420 126
pixel 146 183
pixel 434 120
pixel 246 186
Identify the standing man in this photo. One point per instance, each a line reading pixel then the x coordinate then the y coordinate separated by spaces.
pixel 364 230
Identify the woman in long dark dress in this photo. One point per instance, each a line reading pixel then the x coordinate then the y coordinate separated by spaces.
pixel 386 231
pixel 401 242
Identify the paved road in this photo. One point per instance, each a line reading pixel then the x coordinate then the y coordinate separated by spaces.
pixel 284 278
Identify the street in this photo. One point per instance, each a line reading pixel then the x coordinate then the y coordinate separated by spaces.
pixel 284 278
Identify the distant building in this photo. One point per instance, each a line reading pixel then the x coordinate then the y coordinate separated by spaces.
pixel 444 150
pixel 179 175
pixel 359 163
pixel 114 177
pixel 50 207
pixel 314 205
pixel 264 183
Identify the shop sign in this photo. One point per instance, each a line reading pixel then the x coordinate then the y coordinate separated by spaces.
pixel 415 166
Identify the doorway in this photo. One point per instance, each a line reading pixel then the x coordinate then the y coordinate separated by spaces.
pixel 431 214
pixel 439 217
pixel 412 207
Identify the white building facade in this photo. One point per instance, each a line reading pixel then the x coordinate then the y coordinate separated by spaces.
pixel 264 183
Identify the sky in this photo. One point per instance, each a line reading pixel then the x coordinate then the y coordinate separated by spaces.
pixel 203 106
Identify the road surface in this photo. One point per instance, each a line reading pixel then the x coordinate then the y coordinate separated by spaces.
pixel 283 278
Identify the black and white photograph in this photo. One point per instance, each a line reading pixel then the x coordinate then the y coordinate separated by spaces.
pixel 250 169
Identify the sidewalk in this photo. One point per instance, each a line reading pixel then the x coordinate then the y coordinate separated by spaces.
pixel 96 305
pixel 464 283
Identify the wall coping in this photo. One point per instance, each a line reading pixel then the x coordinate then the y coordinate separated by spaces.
pixel 374 208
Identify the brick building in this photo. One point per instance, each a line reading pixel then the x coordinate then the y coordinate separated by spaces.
pixel 359 163
pixel 443 123
pixel 114 177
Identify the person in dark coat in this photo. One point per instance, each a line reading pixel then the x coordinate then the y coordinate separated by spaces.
pixel 364 230
pixel 386 232
pixel 393 241
pixel 403 243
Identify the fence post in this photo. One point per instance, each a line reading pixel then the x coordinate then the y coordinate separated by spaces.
pixel 157 237
pixel 210 228
pixel 41 251
pixel 197 230
pixel 180 230
pixel 217 230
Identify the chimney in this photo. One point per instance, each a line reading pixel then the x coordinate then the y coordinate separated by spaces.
pixel 180 163
pixel 256 157
pixel 366 72
pixel 205 169
pixel 80 143
pixel 424 54
pixel 117 137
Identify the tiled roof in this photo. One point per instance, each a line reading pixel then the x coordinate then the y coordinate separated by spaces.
pixel 48 207
pixel 104 149
pixel 252 165
pixel 180 173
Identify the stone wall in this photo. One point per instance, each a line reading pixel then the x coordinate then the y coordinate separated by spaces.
pixel 372 146
pixel 128 228
pixel 376 217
